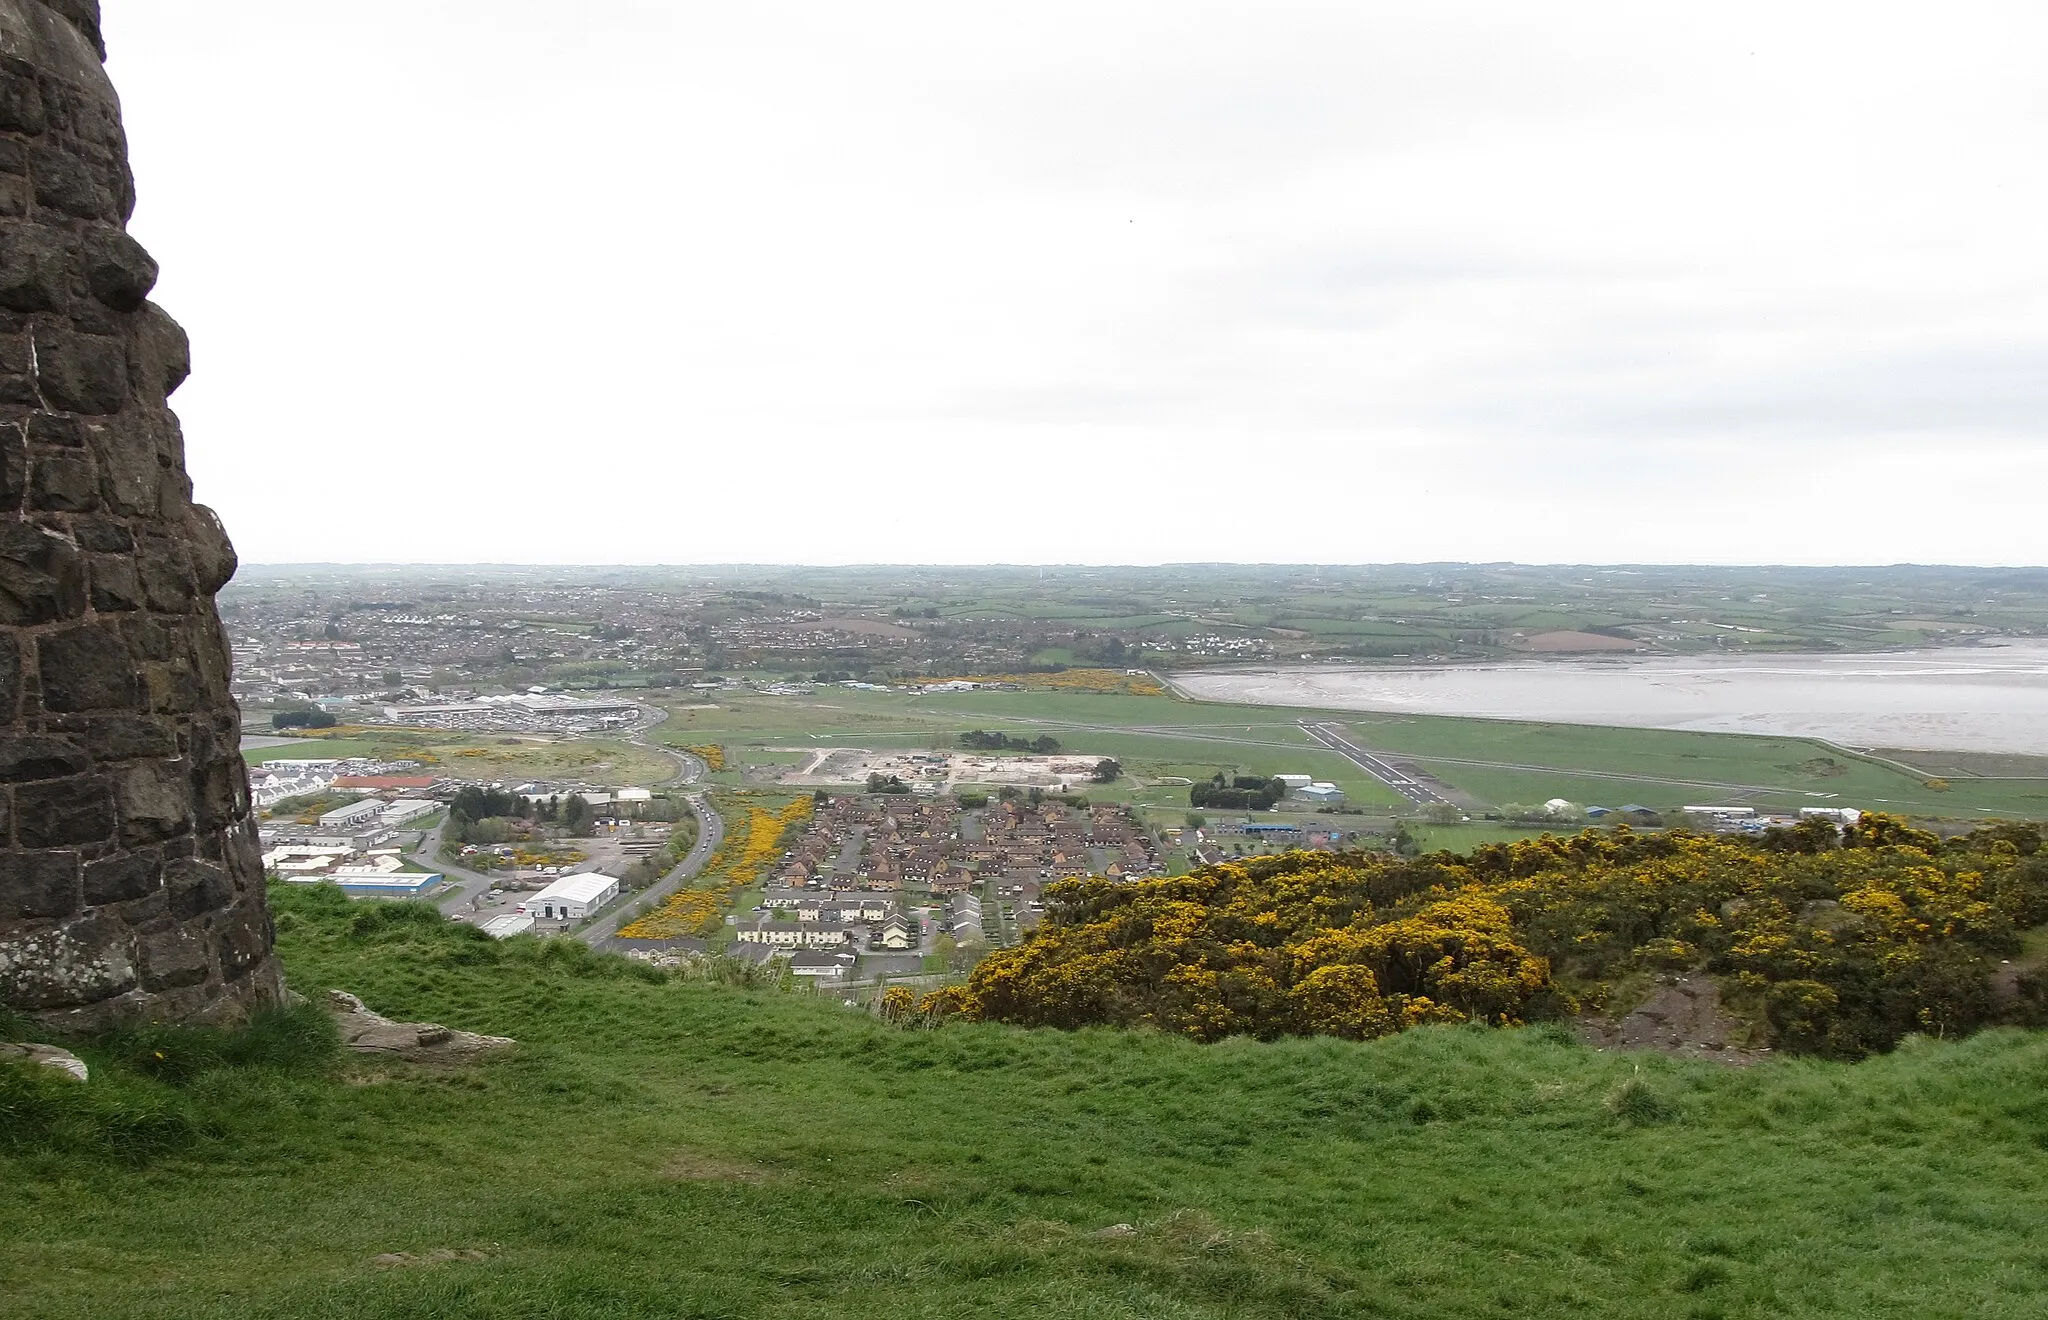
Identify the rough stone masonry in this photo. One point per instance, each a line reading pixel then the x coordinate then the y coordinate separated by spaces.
pixel 130 881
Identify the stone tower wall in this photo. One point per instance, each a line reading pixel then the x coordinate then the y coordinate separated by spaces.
pixel 130 882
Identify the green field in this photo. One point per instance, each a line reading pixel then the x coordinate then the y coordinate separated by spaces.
pixel 660 1148
pixel 1497 762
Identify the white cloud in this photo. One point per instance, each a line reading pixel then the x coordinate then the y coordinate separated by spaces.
pixel 634 281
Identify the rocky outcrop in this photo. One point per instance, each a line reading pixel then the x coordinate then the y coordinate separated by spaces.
pixel 130 882
pixel 368 1032
pixel 46 1056
pixel 1682 1018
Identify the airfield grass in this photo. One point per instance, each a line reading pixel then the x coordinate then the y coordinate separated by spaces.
pixel 1529 762
pixel 663 1148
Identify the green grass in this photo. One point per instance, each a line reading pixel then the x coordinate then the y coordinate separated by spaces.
pixel 658 1148
pixel 1530 762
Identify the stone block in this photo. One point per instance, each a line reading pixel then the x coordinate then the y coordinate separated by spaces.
pixel 42 578
pixel 33 271
pixel 13 159
pixel 21 98
pixel 172 956
pixel 80 962
pixel 123 878
pixel 64 483
pixel 167 578
pixel 14 195
pixel 220 794
pixel 130 468
pixel 87 667
pixel 121 737
pixel 117 269
pixel 115 586
pixel 81 373
pixel 40 885
pixel 13 468
pixel 155 802
pixel 243 936
pixel 102 535
pixel 195 887
pixel 75 184
pixel 213 555
pixel 10 680
pixel 56 431
pixel 85 16
pixel 59 813
pixel 30 756
pixel 163 352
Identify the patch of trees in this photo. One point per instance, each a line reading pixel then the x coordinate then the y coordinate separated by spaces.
pixel 1242 793
pixel 1836 943
pixel 886 784
pixel 302 719
pixel 484 815
pixel 979 741
pixel 1107 771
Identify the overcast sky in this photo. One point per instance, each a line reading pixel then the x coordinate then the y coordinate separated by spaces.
pixel 597 281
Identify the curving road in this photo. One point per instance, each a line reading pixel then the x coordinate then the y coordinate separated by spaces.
pixel 710 830
pixel 470 886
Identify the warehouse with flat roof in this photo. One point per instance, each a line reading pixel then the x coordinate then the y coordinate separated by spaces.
pixel 571 898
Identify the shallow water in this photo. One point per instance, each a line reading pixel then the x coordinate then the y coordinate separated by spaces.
pixel 1991 698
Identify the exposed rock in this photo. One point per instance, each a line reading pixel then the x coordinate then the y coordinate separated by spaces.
pixel 130 885
pixel 1683 1019
pixel 368 1032
pixel 49 1056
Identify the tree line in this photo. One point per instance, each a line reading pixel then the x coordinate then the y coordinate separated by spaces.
pixel 980 741
pixel 1242 793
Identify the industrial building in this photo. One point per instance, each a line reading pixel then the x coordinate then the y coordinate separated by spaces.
pixel 572 898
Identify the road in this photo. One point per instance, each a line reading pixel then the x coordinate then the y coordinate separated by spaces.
pixel 470 886
pixel 1330 736
pixel 710 830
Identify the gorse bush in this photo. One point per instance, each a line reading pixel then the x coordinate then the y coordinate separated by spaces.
pixel 1839 944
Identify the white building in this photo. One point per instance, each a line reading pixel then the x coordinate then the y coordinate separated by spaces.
pixel 1320 793
pixel 791 934
pixel 354 814
pixel 405 809
pixel 1295 783
pixel 820 966
pixel 572 898
pixel 506 925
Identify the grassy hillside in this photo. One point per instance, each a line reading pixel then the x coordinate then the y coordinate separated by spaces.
pixel 661 1148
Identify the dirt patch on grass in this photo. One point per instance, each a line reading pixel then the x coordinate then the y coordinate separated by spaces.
pixel 393 1260
pixel 702 1166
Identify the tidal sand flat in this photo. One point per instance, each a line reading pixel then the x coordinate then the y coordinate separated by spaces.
pixel 1991 698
